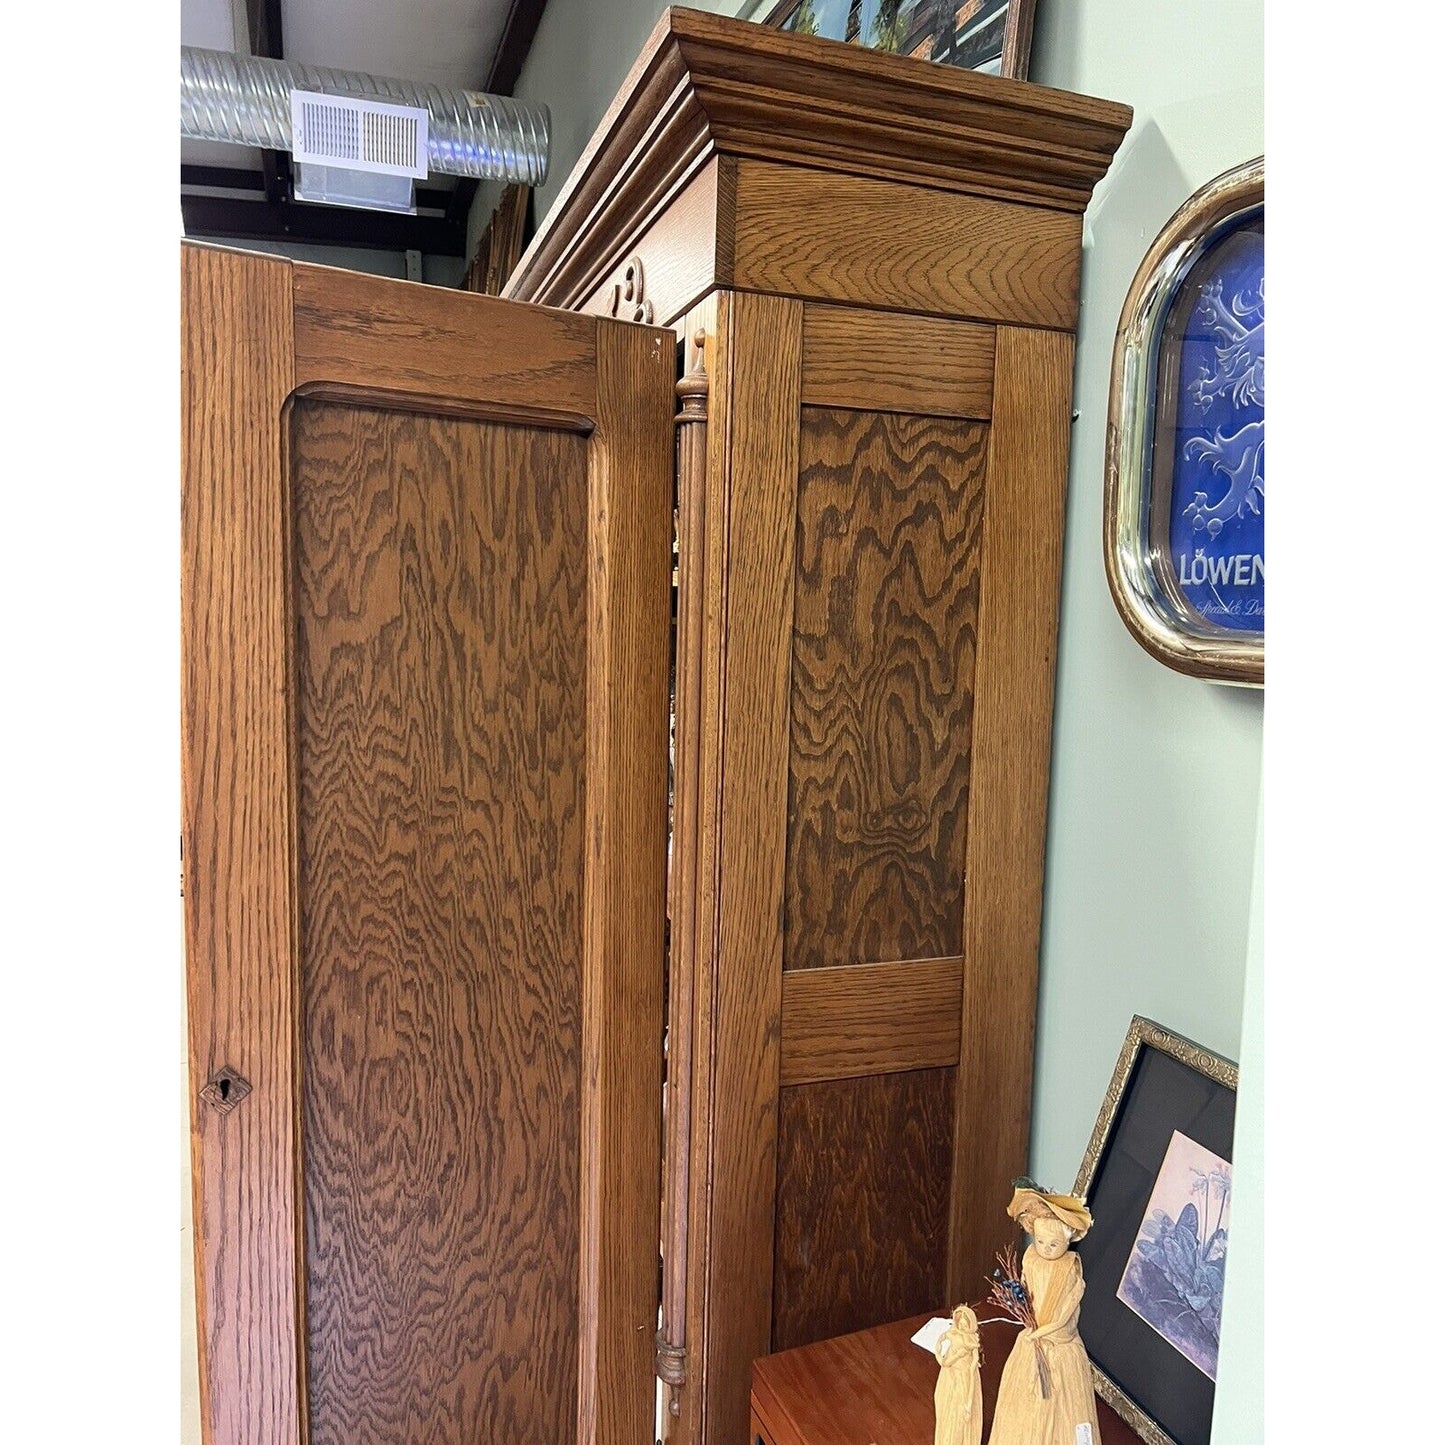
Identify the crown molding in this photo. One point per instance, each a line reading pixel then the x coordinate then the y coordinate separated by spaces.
pixel 708 87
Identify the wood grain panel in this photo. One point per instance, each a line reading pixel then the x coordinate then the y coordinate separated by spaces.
pixel 759 352
pixel 862 1214
pixel 236 837
pixel 629 578
pixel 892 361
pixel 870 1018
pixel 440 709
pixel 1028 466
pixel 888 245
pixel 890 516
pixel 444 346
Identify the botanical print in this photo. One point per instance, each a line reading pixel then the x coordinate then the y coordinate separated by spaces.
pixel 1174 1280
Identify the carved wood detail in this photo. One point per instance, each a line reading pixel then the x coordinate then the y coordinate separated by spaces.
pixel 629 294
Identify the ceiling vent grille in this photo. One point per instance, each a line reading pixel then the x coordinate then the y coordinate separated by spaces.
pixel 361 135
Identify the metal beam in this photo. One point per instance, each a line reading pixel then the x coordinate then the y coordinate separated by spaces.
pixel 513 49
pixel 263 25
pixel 234 178
pixel 223 216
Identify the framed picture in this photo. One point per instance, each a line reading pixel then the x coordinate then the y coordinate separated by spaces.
pixel 1184 476
pixel 1158 1177
pixel 993 36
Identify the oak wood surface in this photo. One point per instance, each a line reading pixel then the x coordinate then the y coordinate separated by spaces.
pixel 422 341
pixel 629 575
pixel 706 86
pixel 875 1387
pixel 237 801
pixel 683 882
pixel 890 518
pixel 440 724
pixel 892 361
pixel 753 462
pixel 822 237
pixel 870 1018
pixel 1028 457
pixel 862 1214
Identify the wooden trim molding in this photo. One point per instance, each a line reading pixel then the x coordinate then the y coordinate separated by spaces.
pixel 870 1018
pixel 706 86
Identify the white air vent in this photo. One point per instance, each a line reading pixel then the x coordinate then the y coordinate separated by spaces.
pixel 359 135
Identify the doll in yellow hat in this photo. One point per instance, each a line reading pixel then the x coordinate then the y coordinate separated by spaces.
pixel 1047 1390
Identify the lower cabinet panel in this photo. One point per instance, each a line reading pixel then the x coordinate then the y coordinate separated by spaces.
pixel 862 1210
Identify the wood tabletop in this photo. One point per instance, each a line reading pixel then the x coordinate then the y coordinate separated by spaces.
pixel 876 1388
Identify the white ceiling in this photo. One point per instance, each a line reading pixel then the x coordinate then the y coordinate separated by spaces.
pixel 446 42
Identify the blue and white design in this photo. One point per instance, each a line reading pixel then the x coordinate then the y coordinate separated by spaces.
pixel 1216 522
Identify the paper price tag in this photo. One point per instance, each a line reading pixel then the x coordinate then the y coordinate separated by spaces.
pixel 929 1335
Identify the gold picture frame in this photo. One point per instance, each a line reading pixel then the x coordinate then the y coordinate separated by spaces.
pixel 1011 60
pixel 1147 1394
pixel 1144 387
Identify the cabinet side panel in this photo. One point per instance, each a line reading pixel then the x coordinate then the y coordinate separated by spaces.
pixel 1028 467
pixel 862 1203
pixel 441 666
pixel 890 520
pixel 236 373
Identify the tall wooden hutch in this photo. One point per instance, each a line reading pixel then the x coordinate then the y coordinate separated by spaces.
pixel 872 267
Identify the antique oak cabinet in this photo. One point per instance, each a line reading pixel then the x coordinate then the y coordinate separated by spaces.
pixel 436 928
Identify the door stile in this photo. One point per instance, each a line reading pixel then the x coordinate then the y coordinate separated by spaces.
pixel 1028 472
pixel 629 582
pixel 238 826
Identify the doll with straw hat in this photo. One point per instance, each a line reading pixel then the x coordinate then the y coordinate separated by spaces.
pixel 1047 1391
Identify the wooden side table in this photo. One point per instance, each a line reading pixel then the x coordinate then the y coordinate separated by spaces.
pixel 874 1388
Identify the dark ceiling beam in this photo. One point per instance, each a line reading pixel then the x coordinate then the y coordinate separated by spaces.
pixel 234 178
pixel 263 25
pixel 226 217
pixel 513 49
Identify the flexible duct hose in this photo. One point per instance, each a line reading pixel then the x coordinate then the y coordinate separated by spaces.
pixel 246 100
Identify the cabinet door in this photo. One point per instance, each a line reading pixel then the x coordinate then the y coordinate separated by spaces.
pixel 425 606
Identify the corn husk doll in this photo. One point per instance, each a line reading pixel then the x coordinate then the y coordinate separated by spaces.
pixel 957 1398
pixel 1047 1390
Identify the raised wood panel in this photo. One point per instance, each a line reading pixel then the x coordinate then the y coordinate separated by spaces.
pixel 888 245
pixel 893 361
pixel 862 1211
pixel 871 1018
pixel 236 836
pixel 369 332
pixel 890 518
pixel 753 463
pixel 1028 463
pixel 441 699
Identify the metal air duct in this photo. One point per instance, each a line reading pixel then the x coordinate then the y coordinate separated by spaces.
pixel 246 100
